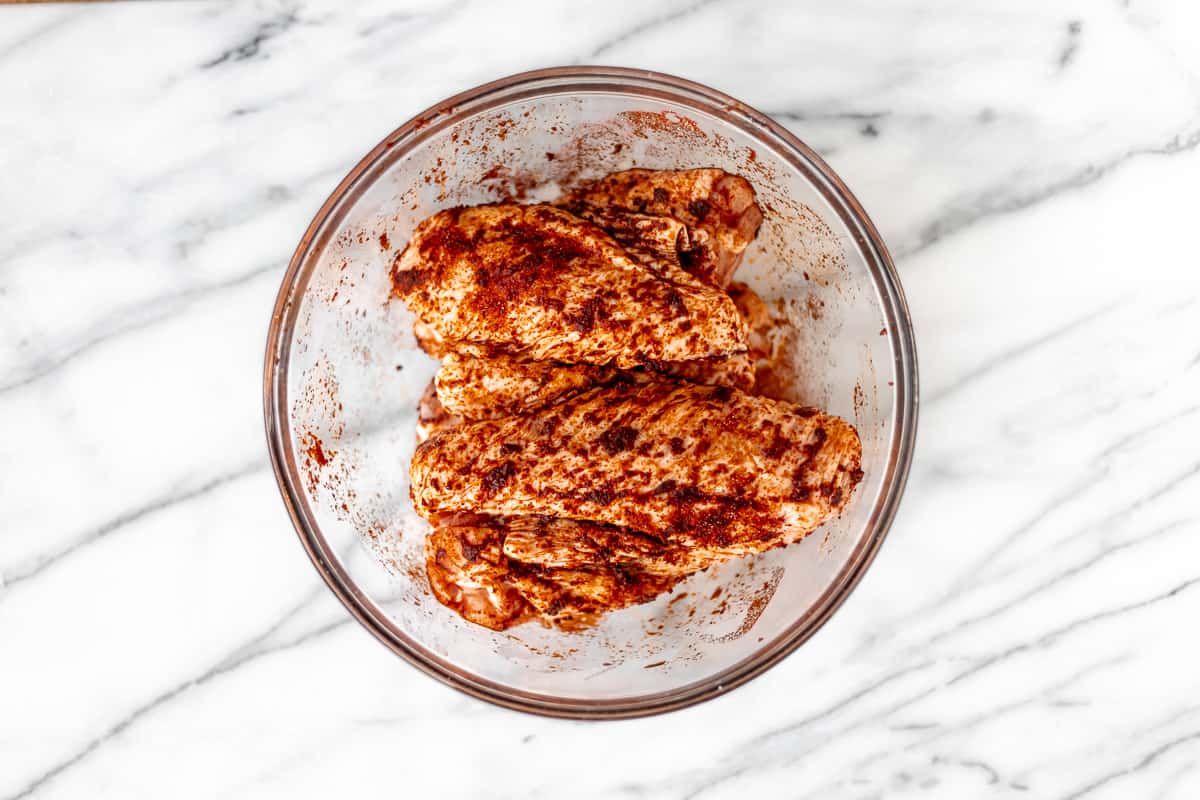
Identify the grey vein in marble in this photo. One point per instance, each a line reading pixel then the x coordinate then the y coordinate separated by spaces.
pixel 998 202
pixel 144 314
pixel 1047 532
pixel 11 577
pixel 241 656
pixel 265 32
pixel 650 25
pixel 1003 359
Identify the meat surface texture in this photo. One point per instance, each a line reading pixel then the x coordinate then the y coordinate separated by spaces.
pixel 428 339
pixel 693 465
pixel 734 372
pixel 553 543
pixel 719 211
pixel 659 242
pixel 501 386
pixel 539 282
pixel 467 573
pixel 757 315
pixel 470 572
pixel 596 431
pixel 432 416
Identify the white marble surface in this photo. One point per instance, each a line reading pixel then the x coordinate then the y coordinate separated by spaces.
pixel 1030 627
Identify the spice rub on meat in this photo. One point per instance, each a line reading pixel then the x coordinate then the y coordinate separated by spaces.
pixel 467 572
pixel 595 434
pixel 556 543
pixel 472 570
pixel 692 465
pixel 501 386
pixel 658 242
pixel 539 282
pixel 432 416
pixel 717 210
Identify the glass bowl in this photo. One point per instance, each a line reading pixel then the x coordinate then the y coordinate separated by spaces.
pixel 343 376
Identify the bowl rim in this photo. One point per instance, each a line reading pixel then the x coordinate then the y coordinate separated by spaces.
pixel 644 83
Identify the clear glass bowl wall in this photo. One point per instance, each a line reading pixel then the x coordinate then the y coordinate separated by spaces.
pixel 344 374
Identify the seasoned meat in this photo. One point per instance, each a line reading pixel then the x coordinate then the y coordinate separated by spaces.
pixel 575 544
pixel 467 573
pixel 429 340
pixel 432 416
pixel 735 371
pixel 487 388
pixel 758 318
pixel 538 282
pixel 719 210
pixel 658 242
pixel 687 464
pixel 501 386
pixel 580 595
pixel 775 345
pixel 470 573
pixel 586 443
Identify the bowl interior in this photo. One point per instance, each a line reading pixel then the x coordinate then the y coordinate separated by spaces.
pixel 346 376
